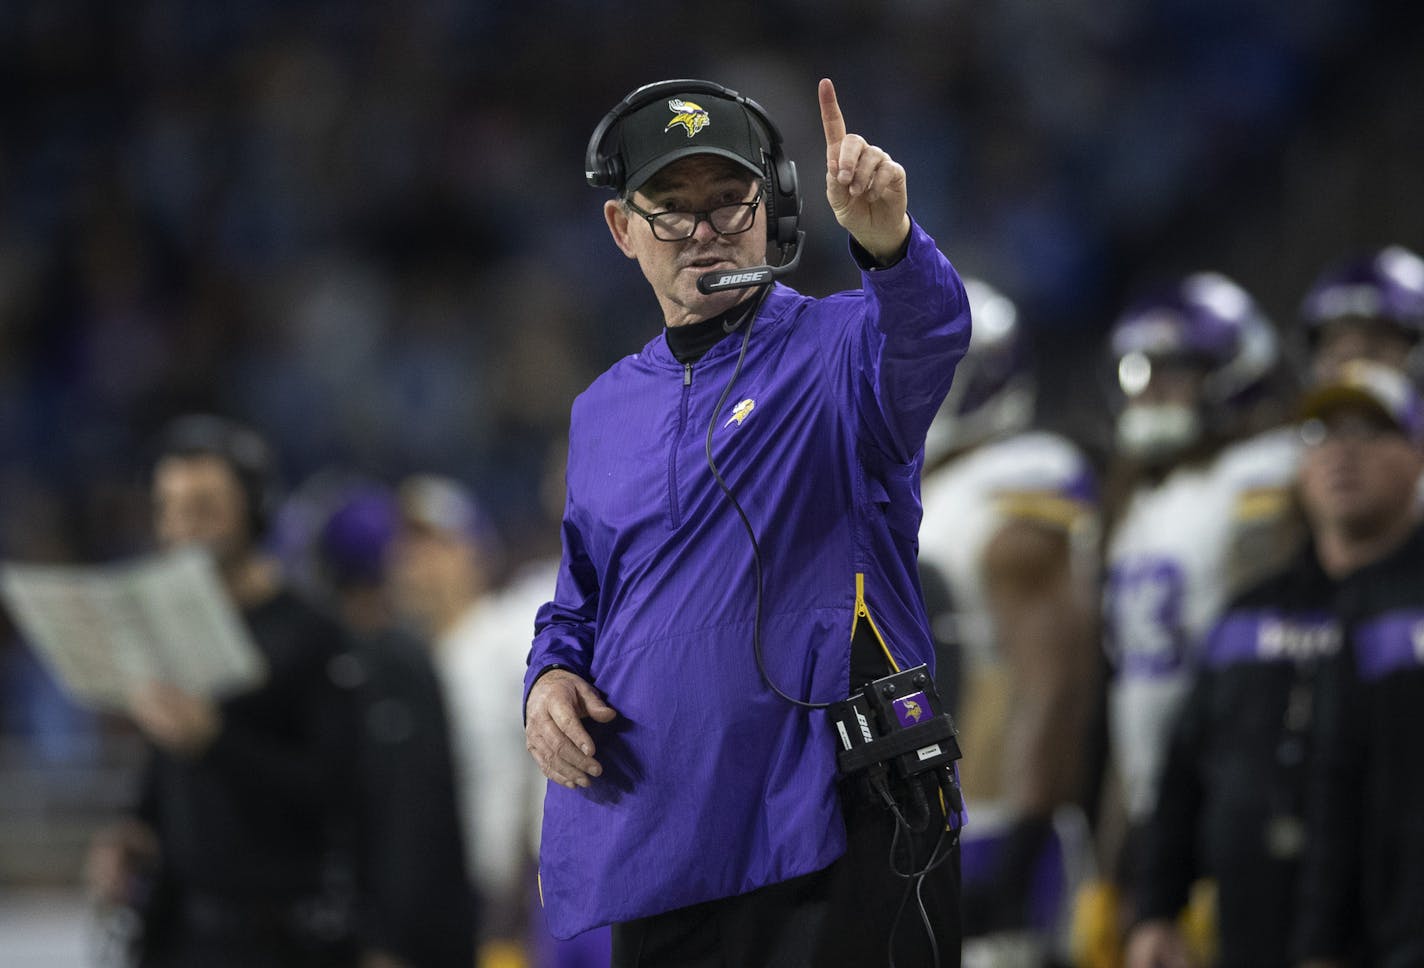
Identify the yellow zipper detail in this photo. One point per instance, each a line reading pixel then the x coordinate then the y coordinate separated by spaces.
pixel 863 611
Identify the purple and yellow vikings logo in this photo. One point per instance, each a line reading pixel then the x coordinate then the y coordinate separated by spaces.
pixel 693 117
pixel 740 411
pixel 909 709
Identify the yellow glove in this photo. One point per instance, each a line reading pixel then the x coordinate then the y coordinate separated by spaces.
pixel 1198 922
pixel 502 954
pixel 1095 937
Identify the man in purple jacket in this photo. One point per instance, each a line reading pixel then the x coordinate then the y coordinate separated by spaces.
pixel 739 510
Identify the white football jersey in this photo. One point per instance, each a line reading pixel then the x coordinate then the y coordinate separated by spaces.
pixel 1179 553
pixel 481 662
pixel 1034 476
pixel 1037 476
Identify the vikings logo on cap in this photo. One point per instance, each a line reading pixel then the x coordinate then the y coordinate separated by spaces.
pixel 693 117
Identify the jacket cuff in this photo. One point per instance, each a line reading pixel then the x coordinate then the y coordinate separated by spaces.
pixel 868 262
pixel 538 668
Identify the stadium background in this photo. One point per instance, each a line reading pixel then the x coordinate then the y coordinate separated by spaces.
pixel 363 227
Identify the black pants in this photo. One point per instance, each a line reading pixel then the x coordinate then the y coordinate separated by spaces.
pixel 212 933
pixel 842 915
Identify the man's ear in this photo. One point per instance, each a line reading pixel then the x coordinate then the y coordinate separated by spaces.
pixel 615 213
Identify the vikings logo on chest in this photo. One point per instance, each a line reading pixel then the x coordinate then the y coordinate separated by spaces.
pixel 692 117
pixel 740 412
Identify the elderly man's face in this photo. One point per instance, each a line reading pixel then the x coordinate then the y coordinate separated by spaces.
pixel 1359 472
pixel 693 184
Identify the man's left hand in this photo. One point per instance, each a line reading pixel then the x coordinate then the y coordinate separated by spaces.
pixel 176 721
pixel 864 185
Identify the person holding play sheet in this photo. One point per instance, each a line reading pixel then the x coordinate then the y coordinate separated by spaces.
pixel 246 800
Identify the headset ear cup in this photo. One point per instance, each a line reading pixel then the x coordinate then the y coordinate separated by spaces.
pixel 788 200
pixel 772 197
pixel 601 170
pixel 783 202
pixel 610 173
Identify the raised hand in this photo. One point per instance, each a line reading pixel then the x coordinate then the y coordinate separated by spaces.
pixel 864 185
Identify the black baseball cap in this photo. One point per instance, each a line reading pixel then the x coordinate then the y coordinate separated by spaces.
pixel 679 125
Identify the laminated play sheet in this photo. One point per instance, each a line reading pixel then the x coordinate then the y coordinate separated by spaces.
pixel 105 630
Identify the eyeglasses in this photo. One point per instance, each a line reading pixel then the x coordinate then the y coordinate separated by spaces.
pixel 731 219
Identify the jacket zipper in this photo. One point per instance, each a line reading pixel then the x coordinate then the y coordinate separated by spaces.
pixel 674 505
pixel 862 611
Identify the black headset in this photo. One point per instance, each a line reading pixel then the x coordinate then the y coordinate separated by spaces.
pixel 783 201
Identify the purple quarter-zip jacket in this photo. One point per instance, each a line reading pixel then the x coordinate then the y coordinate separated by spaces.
pixel 712 784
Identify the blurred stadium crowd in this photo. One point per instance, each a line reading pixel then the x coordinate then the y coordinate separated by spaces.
pixel 361 228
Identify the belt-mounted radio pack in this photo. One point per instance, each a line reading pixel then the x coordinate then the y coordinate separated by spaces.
pixel 896 720
pixel 892 732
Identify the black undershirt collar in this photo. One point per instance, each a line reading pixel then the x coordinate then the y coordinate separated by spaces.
pixel 691 342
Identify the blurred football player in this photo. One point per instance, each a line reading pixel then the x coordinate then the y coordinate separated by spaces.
pixel 1370 307
pixel 1010 524
pixel 1257 732
pixel 1199 506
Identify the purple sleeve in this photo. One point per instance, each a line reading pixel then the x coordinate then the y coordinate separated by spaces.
pixel 564 627
pixel 914 328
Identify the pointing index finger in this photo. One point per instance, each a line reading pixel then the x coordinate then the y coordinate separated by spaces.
pixel 831 118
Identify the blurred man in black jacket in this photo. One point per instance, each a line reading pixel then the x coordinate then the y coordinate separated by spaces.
pixel 247 801
pixel 416 905
pixel 1235 802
